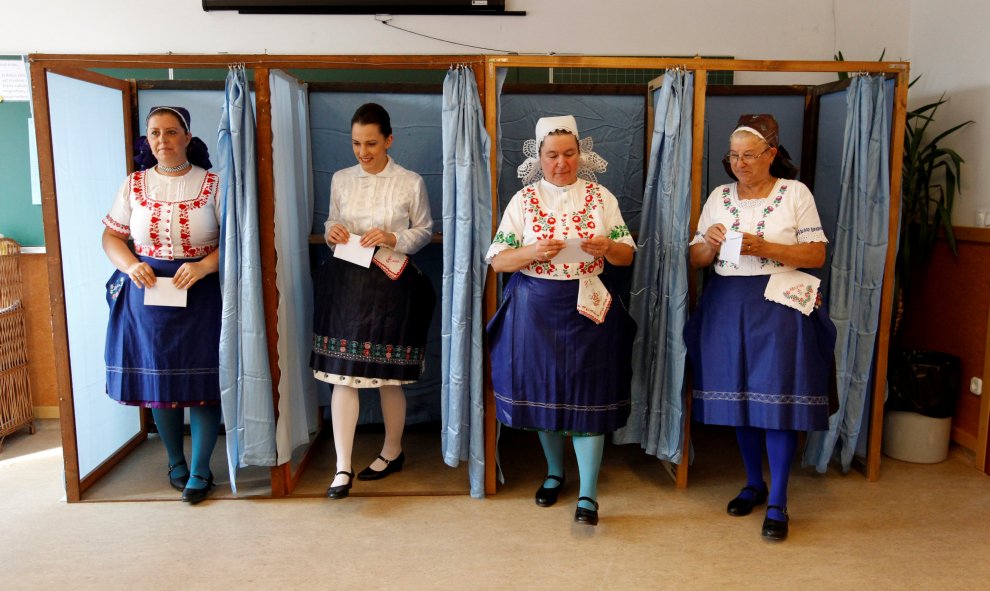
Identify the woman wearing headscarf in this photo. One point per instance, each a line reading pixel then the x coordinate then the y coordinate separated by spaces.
pixel 760 342
pixel 561 344
pixel 166 356
pixel 370 324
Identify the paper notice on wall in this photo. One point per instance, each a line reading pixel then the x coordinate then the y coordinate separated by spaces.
pixel 14 81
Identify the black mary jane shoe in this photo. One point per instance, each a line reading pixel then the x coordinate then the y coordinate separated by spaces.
pixel 195 495
pixel 740 505
pixel 178 482
pixel 588 516
pixel 390 467
pixel 545 497
pixel 342 490
pixel 775 529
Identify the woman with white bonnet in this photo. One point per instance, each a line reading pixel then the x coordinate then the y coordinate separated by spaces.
pixel 760 343
pixel 561 342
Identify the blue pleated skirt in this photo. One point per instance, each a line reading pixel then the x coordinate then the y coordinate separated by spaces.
pixel 554 369
pixel 758 363
pixel 161 356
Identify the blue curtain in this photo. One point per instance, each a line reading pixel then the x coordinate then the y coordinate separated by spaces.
pixel 245 380
pixel 467 221
pixel 297 405
pixel 857 266
pixel 658 298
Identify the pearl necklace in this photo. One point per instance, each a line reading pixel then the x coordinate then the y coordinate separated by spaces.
pixel 162 168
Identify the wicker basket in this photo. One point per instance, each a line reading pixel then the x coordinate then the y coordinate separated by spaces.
pixel 16 411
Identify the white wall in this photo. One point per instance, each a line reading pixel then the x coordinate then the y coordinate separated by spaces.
pixel 949 47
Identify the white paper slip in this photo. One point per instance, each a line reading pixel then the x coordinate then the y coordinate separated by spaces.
pixel 165 293
pixel 353 252
pixel 731 247
pixel 572 253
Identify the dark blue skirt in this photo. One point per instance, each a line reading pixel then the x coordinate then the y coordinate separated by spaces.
pixel 162 356
pixel 368 325
pixel 758 363
pixel 554 369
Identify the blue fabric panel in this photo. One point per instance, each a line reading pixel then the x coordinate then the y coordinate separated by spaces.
pixel 467 221
pixel 828 174
pixel 245 380
pixel 857 266
pixel 89 168
pixel 721 114
pixel 417 143
pixel 659 294
pixel 297 408
pixel 614 122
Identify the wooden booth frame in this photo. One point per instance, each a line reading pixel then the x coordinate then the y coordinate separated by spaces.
pixel 283 478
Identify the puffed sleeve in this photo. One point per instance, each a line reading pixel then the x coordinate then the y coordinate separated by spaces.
pixel 510 229
pixel 707 218
pixel 809 224
pixel 615 225
pixel 119 218
pixel 420 230
pixel 333 216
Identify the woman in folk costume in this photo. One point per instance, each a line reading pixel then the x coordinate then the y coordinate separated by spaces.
pixel 761 343
pixel 159 356
pixel 561 343
pixel 370 324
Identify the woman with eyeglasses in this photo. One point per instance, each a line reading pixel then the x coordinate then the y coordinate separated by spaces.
pixel 760 342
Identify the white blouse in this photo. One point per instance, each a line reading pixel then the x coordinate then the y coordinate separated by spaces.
pixel 168 217
pixel 543 211
pixel 395 200
pixel 786 216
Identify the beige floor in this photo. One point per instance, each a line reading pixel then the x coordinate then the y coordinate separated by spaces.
pixel 919 527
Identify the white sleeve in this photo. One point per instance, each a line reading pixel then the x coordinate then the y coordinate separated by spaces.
pixel 333 215
pixel 615 225
pixel 706 219
pixel 510 229
pixel 119 217
pixel 808 223
pixel 420 231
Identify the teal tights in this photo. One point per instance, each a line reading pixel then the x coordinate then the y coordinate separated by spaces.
pixel 204 423
pixel 588 449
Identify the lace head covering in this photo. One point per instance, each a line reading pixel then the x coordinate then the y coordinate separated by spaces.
pixel 765 127
pixel 589 162
pixel 196 152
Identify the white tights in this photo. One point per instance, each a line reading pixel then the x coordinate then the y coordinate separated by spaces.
pixel 344 407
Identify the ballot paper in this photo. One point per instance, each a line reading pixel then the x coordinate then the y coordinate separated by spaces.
pixel 572 253
pixel 352 252
pixel 731 247
pixel 165 293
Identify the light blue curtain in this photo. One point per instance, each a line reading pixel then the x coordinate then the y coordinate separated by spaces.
pixel 658 299
pixel 297 405
pixel 245 380
pixel 857 266
pixel 467 221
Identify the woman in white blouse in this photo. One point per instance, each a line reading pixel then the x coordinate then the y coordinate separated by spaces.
pixel 561 344
pixel 760 343
pixel 370 324
pixel 165 356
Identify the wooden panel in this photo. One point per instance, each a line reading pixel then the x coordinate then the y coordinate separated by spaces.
pixel 983 434
pixel 40 345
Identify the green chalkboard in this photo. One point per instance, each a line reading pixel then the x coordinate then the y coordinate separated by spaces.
pixel 19 219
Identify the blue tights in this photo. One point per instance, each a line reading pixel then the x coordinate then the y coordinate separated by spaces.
pixel 204 423
pixel 588 449
pixel 780 447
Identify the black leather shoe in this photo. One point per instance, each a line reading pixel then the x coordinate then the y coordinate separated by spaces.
pixel 740 505
pixel 546 497
pixel 390 467
pixel 588 516
pixel 195 495
pixel 178 482
pixel 341 491
pixel 775 529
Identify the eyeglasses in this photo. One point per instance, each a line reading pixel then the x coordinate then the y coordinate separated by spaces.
pixel 747 157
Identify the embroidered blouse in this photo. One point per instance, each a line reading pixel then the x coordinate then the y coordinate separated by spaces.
pixel 395 200
pixel 786 216
pixel 543 211
pixel 168 217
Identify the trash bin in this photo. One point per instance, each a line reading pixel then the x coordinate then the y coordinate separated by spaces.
pixel 923 387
